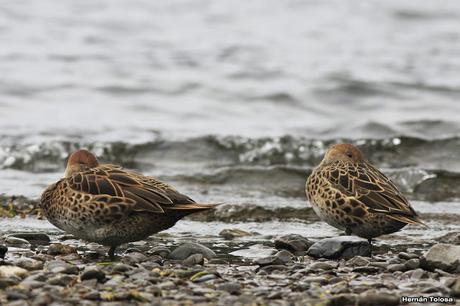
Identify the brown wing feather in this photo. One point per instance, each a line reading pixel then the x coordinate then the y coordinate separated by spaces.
pixel 374 189
pixel 147 193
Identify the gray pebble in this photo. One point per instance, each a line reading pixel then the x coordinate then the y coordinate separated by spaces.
pixel 133 258
pixel 396 267
pixel 379 264
pixel 93 295
pixel 204 278
pixel 185 250
pixel 17 242
pixel 59 266
pixel 275 295
pixel 271 268
pixel 358 261
pixel 61 249
pixel 195 259
pixel 323 266
pixel 407 256
pixel 367 269
pixel 281 258
pixel 61 280
pixel 9 281
pixel 29 264
pixel 14 295
pixel 93 273
pixel 232 233
pixel 340 247
pixel 412 264
pixel 33 238
pixel 230 287
pixel 161 251
pixel 455 288
pixel 121 268
pixel 167 285
pixel 293 243
pixel 418 274
pixel 381 299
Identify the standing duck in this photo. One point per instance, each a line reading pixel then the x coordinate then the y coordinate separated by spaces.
pixel 349 193
pixel 109 205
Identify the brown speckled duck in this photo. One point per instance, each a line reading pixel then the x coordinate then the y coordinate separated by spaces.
pixel 110 205
pixel 349 193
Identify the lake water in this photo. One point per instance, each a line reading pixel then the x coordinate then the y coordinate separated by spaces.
pixel 235 102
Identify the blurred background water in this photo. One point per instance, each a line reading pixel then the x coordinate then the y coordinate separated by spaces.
pixel 234 102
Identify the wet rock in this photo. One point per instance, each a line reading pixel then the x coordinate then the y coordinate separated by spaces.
pixel 380 298
pixel 92 295
pixel 230 287
pixel 6 282
pixel 17 242
pixel 323 266
pixel 121 268
pixel 450 238
pixel 133 258
pixel 442 256
pixel 33 238
pixel 418 274
pixel 3 250
pixel 59 266
pixel 412 264
pixel 455 288
pixel 185 250
pixel 160 251
pixel 284 257
pixel 61 249
pixel 379 264
pixel 366 269
pixel 29 264
pixel 407 256
pixel 203 278
pixel 342 299
pixel 275 295
pixel 93 273
pixel 35 281
pixel 13 295
pixel 293 243
pixel 358 261
pixel 232 233
pixel 7 271
pixel 195 259
pixel 61 280
pixel 115 281
pixel 396 267
pixel 340 247
pixel 152 262
pixel 167 285
pixel 281 258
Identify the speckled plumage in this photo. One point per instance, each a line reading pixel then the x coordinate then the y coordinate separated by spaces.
pixel 110 205
pixel 349 193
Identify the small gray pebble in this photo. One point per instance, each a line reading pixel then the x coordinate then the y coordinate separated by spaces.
pixel 92 273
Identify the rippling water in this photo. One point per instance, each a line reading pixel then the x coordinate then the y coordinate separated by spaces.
pixel 232 102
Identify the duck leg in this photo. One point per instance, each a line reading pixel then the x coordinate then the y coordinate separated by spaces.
pixel 112 252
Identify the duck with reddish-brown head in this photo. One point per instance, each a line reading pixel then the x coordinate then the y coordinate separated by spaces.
pixel 110 205
pixel 349 193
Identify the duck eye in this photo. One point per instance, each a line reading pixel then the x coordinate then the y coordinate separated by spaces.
pixel 349 154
